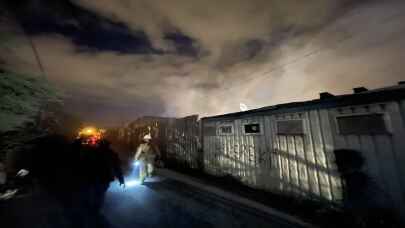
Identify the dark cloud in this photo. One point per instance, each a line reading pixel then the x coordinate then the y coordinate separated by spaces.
pixel 216 24
pixel 183 44
pixel 92 32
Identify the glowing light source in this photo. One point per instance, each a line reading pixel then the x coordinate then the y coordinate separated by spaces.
pixel 132 183
pixel 243 107
pixel 133 179
pixel 91 135
pixel 88 131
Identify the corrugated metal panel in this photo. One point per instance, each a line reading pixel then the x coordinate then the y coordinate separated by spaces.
pixel 397 110
pixel 383 152
pixel 182 142
pixel 304 164
pixel 240 155
pixel 320 158
pixel 302 160
pixel 400 127
pixel 292 164
pixel 335 182
pixel 210 145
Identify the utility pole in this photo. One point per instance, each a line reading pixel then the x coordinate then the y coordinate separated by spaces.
pixel 13 17
pixel 36 54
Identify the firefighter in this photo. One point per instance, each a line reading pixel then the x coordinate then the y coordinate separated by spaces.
pixel 146 155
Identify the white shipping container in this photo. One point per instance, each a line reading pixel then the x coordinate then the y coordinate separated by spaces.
pixel 290 148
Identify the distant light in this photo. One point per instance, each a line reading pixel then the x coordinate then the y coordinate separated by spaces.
pixel 136 163
pixel 243 107
pixel 89 131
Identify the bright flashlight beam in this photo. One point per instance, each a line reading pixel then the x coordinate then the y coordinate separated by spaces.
pixel 133 178
pixel 132 183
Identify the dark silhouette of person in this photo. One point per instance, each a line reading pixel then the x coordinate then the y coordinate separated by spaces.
pixel 72 176
pixel 100 166
pixel 363 198
pixel 54 164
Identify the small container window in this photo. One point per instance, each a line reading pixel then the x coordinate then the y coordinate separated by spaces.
pixel 226 130
pixel 290 127
pixel 367 124
pixel 252 128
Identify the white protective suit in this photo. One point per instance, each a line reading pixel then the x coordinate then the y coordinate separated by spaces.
pixel 146 154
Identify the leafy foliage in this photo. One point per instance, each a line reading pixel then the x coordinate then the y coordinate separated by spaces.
pixel 21 98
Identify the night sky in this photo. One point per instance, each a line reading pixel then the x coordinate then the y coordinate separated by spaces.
pixel 118 60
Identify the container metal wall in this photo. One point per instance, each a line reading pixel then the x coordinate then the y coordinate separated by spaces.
pixel 243 156
pixel 182 142
pixel 304 162
pixel 303 165
pixel 299 165
pixel 384 153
